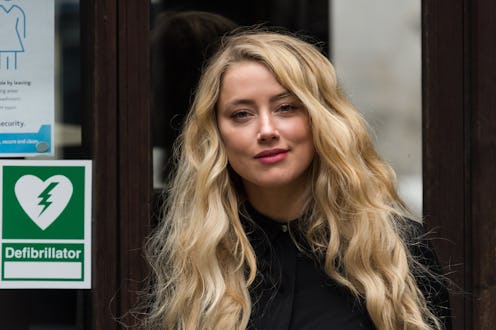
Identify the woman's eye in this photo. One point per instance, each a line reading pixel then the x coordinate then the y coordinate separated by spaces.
pixel 240 115
pixel 286 107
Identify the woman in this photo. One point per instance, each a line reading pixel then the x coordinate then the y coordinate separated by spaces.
pixel 280 214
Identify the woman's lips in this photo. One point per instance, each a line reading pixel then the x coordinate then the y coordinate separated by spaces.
pixel 271 156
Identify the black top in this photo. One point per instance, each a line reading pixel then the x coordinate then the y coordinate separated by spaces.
pixel 292 291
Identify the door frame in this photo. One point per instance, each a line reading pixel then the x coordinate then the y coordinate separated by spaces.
pixel 116 135
pixel 459 150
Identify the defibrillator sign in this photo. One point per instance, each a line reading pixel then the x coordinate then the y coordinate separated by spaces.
pixel 45 224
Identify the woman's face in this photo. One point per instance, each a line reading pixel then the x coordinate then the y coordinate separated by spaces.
pixel 265 129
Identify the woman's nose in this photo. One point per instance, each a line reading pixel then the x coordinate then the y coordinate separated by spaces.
pixel 267 129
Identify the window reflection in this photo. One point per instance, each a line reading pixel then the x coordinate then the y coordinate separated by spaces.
pixel 376 48
pixel 67 80
pixel 180 42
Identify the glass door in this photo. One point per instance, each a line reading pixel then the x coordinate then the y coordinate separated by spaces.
pixel 45 309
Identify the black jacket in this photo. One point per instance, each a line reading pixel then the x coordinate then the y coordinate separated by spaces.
pixel 291 290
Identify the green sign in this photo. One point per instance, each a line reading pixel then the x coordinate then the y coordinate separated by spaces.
pixel 45 224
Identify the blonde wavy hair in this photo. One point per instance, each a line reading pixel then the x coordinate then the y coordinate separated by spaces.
pixel 202 261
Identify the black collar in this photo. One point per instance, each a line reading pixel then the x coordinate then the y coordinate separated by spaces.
pixel 262 230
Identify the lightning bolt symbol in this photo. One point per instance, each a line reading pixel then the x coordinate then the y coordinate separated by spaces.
pixel 45 195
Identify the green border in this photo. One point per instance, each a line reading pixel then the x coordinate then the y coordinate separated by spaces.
pixel 4 279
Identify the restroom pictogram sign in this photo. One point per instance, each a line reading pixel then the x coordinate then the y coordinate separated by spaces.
pixel 45 232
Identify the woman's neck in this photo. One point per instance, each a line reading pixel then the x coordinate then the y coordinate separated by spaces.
pixel 279 204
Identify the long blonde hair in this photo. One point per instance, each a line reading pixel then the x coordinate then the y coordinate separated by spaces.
pixel 202 261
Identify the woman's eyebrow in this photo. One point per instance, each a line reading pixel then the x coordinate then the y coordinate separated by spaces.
pixel 252 102
pixel 241 102
pixel 281 96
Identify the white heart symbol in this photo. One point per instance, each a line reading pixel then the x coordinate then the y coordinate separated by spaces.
pixel 43 201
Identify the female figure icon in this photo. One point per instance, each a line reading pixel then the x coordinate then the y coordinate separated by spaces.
pixel 12 33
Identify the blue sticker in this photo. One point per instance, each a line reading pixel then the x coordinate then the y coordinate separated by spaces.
pixel 24 143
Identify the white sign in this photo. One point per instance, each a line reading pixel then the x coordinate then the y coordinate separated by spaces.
pixel 26 78
pixel 45 224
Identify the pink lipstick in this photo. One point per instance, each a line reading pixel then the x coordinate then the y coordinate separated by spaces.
pixel 271 156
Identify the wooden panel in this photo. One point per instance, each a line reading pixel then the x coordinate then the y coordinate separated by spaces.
pixel 116 135
pixel 483 162
pixel 459 68
pixel 134 148
pixel 444 153
pixel 98 25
